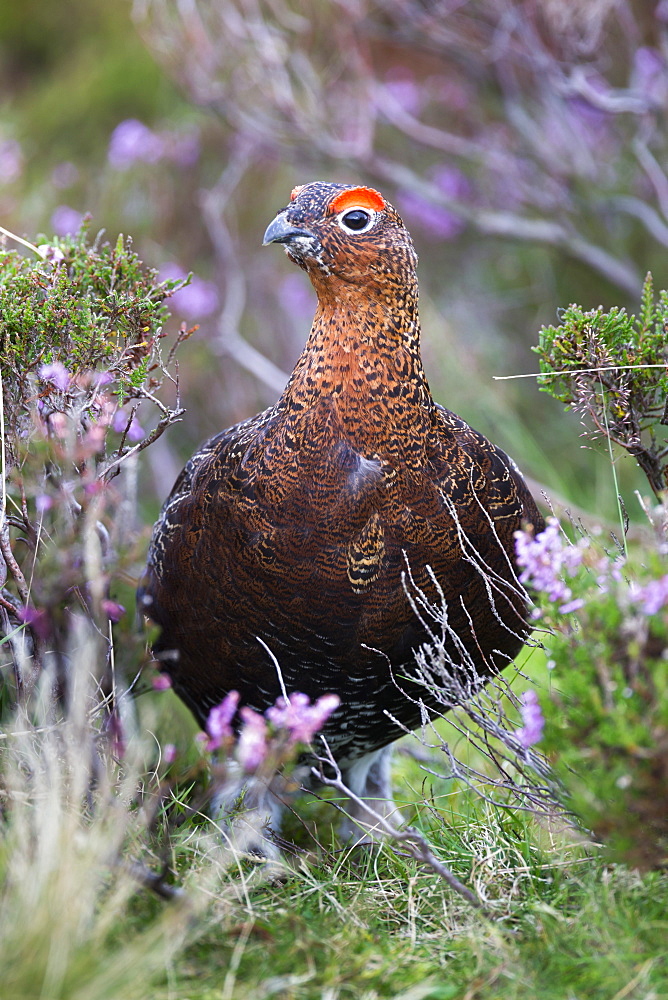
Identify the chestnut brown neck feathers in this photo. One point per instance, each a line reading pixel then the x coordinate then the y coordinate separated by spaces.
pixel 362 358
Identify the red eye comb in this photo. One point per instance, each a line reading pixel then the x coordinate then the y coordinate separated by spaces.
pixel 359 197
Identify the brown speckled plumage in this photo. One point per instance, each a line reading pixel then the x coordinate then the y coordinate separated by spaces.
pixel 295 527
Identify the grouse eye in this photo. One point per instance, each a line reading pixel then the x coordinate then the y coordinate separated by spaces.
pixel 356 220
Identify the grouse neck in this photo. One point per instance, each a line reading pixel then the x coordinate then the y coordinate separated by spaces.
pixel 362 360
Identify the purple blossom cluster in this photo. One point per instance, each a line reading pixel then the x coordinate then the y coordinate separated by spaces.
pixel 401 84
pixel 652 597
pixel 53 255
pixel 103 412
pixel 124 422
pixel 133 142
pixel 57 374
pixel 301 720
pixel 66 220
pixel 253 745
pixel 608 571
pixel 36 618
pixel 437 221
pixel 161 682
pixel 112 609
pixel 219 723
pixel 294 719
pixel 197 300
pixel 545 560
pixel 43 502
pixel 648 75
pixel 531 731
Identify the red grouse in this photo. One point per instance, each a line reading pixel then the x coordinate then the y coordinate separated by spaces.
pixel 295 531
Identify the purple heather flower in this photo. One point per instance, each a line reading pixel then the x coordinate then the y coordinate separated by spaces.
pixel 36 618
pixel 94 489
pixel 218 724
pixel 451 181
pixel 652 597
pixel 54 255
pixel 649 73
pixel 65 220
pixel 132 142
pixel 532 718
pixel 135 431
pixel 545 558
pixel 93 442
pixel 170 271
pixel 11 161
pixel 169 753
pixel 117 730
pixel 102 378
pixel 437 222
pixel 113 610
pixel 588 120
pixel 161 682
pixel 120 422
pixel 571 606
pixel 301 719
pixel 450 91
pixel 43 502
pixel 607 570
pixel 583 123
pixel 58 424
pixel 197 300
pixel 402 86
pixel 252 744
pixel 57 374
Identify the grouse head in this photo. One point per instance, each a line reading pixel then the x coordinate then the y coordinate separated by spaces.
pixel 339 231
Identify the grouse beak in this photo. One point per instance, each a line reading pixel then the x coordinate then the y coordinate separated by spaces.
pixel 280 231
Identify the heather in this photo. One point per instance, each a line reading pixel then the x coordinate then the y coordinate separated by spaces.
pixel 525 148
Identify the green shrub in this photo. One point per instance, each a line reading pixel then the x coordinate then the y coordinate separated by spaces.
pixel 82 363
pixel 607 707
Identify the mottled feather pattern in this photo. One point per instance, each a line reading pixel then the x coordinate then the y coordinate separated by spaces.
pixel 298 527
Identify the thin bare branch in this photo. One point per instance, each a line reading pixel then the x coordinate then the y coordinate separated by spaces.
pixel 410 839
pixel 12 564
pixel 174 416
pixel 614 101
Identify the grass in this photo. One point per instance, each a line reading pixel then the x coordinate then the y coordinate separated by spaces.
pixel 381 928
pixel 345 923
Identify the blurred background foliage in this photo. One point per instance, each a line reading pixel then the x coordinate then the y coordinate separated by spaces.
pixel 522 140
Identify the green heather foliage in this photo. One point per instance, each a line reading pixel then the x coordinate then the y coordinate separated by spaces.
pixel 607 707
pixel 611 368
pixel 92 307
pixel 82 361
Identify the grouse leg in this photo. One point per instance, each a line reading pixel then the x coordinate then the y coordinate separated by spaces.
pixel 369 779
